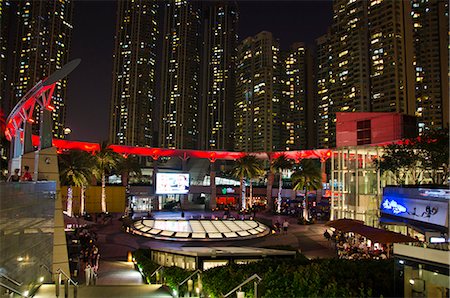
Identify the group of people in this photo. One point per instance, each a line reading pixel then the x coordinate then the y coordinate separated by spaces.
pixel 16 177
pixel 355 248
pixel 284 225
pixel 89 255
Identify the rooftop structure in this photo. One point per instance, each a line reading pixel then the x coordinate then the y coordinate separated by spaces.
pixel 199 230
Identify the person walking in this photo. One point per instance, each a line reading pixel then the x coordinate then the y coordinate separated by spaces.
pixel 277 227
pixel 285 226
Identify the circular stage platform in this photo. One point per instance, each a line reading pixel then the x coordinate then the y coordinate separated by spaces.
pixel 199 230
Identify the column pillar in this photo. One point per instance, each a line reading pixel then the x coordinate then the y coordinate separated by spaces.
pixel 27 138
pixel 212 183
pixel 45 129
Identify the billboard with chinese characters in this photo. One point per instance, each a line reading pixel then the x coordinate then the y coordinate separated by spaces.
pixel 172 183
pixel 419 204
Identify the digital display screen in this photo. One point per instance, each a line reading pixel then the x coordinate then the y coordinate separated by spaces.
pixel 172 183
pixel 425 205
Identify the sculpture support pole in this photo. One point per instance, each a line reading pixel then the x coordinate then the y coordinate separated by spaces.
pixel 17 147
pixel 46 129
pixel 27 135
pixel 212 181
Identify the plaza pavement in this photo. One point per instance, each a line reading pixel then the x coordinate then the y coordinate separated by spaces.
pixel 118 278
pixel 114 243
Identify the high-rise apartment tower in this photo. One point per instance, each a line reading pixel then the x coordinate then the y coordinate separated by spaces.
pixel 218 74
pixel 430 34
pixel 43 43
pixel 259 98
pixel 366 63
pixel 298 92
pixel 180 79
pixel 134 70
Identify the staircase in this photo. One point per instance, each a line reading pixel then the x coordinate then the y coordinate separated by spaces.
pixel 115 279
pixel 110 291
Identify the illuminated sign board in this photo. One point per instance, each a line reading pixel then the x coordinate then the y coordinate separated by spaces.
pixel 226 190
pixel 419 204
pixel 172 183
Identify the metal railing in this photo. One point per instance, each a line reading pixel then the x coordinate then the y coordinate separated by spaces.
pixel 154 273
pixel 254 276
pixel 46 268
pixel 67 281
pixel 198 272
pixel 12 290
pixel 11 279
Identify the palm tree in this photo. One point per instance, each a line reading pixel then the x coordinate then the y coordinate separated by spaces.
pixel 249 167
pixel 307 177
pixel 75 170
pixel 105 161
pixel 278 165
pixel 128 165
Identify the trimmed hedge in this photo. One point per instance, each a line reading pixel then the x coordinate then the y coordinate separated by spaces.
pixel 297 277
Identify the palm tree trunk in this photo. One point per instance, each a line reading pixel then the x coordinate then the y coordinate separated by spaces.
pixel 280 187
pixel 103 193
pixel 82 199
pixel 242 193
pixel 270 178
pixel 251 192
pixel 69 200
pixel 125 177
pixel 306 208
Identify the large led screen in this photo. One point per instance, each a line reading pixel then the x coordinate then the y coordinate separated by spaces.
pixel 420 204
pixel 172 183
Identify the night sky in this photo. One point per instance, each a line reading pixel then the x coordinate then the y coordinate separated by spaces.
pixel 89 91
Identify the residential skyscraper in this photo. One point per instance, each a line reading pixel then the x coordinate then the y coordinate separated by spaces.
pixel 430 34
pixel 370 62
pixel 4 32
pixel 134 70
pixel 43 43
pixel 325 122
pixel 179 126
pixel 218 74
pixel 299 96
pixel 391 57
pixel 5 11
pixel 259 95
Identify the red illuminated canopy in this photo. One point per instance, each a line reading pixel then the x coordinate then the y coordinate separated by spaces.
pixel 156 153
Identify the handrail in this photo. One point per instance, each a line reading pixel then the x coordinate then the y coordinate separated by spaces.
pixel 244 283
pixel 12 289
pixel 187 278
pixel 154 272
pixel 60 271
pixel 11 279
pixel 46 268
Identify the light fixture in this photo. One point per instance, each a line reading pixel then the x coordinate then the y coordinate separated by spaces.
pixel 411 281
pixel 401 262
pixel 41 279
pixel 25 294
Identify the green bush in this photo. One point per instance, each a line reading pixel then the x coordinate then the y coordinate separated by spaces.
pixel 144 263
pixel 298 278
pixel 284 278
